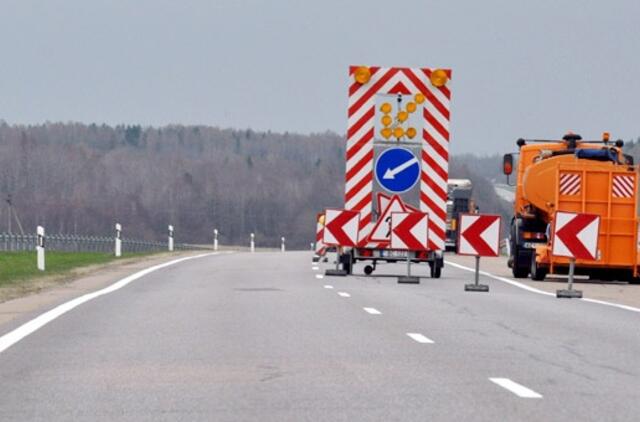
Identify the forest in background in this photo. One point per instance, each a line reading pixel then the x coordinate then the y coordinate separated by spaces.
pixel 79 178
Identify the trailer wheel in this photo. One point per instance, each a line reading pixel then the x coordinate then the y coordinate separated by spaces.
pixel 538 273
pixel 368 269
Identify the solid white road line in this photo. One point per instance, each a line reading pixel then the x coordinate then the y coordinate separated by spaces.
pixel 344 294
pixel 328 286
pixel 319 276
pixel 541 292
pixel 40 321
pixel 420 338
pixel 515 388
pixel 372 311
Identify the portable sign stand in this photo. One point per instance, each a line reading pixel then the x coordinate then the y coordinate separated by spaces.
pixel 340 230
pixel 575 236
pixel 409 232
pixel 479 236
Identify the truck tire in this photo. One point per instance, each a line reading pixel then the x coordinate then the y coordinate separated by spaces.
pixel 368 269
pixel 519 269
pixel 538 273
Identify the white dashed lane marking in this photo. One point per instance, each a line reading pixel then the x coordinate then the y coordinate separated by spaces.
pixel 328 286
pixel 372 311
pixel 515 388
pixel 420 338
pixel 319 276
pixel 344 294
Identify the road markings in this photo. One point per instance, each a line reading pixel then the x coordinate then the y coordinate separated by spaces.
pixel 420 338
pixel 328 286
pixel 315 268
pixel 41 320
pixel 344 294
pixel 319 276
pixel 541 292
pixel 372 311
pixel 515 388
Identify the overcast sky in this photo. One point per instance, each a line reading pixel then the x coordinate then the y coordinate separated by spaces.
pixel 532 69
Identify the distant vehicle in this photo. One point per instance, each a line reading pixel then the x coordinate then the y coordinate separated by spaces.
pixel 580 176
pixel 459 193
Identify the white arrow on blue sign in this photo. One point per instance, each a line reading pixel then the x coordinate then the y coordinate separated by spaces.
pixel 397 169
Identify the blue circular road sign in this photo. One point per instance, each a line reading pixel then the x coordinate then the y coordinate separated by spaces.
pixel 397 169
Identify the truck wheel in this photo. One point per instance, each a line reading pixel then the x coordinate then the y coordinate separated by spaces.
pixel 519 271
pixel 368 269
pixel 538 273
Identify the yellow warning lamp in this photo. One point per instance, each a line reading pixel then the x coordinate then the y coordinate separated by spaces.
pixel 411 107
pixel 411 133
pixel 386 120
pixel 362 75
pixel 398 132
pixel 419 98
pixel 605 137
pixel 386 132
pixel 386 108
pixel 321 219
pixel 403 116
pixel 439 78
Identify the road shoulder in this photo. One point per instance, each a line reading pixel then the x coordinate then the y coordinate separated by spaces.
pixel 54 290
pixel 622 293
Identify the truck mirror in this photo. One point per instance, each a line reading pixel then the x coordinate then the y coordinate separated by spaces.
pixel 507 164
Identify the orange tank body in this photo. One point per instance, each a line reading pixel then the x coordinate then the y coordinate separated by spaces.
pixel 587 186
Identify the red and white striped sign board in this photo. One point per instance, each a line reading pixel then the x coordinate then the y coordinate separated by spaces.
pixel 479 235
pixel 623 186
pixel 570 183
pixel 575 235
pixel 320 249
pixel 434 142
pixel 341 228
pixel 409 231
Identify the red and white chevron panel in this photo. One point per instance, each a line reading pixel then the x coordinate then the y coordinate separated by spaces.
pixel 623 186
pixel 321 248
pixel 570 183
pixel 435 145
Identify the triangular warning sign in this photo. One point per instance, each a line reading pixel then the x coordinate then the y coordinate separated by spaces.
pixel 383 201
pixel 382 230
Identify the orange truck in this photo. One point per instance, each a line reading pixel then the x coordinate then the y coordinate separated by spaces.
pixel 581 176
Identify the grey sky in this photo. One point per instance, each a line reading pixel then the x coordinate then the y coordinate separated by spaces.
pixel 533 68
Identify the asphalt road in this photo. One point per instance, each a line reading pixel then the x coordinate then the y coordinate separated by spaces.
pixel 262 337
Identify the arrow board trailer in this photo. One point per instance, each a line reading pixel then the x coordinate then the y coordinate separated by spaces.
pixel 398 154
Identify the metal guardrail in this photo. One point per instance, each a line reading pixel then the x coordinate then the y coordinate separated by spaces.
pixel 80 243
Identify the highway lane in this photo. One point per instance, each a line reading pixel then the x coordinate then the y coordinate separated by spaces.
pixel 266 337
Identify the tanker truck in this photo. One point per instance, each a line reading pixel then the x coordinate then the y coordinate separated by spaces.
pixel 573 175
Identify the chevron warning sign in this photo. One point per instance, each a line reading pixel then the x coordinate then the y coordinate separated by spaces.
pixel 341 227
pixel 576 235
pixel 479 235
pixel 409 231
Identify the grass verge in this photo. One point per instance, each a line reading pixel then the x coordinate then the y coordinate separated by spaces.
pixel 16 267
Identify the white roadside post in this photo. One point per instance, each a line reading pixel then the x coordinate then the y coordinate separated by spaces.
pixel 282 245
pixel 215 239
pixel 311 246
pixel 40 247
pixel 252 243
pixel 118 247
pixel 170 238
